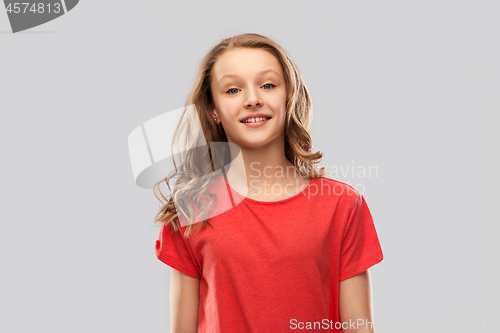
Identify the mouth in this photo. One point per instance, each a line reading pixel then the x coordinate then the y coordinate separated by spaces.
pixel 255 120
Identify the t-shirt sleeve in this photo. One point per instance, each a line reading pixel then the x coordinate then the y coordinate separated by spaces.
pixel 173 249
pixel 360 244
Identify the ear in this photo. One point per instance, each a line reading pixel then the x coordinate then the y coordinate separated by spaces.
pixel 212 112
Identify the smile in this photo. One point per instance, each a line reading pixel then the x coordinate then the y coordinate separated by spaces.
pixel 255 120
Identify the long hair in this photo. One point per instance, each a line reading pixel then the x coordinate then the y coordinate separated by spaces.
pixel 199 167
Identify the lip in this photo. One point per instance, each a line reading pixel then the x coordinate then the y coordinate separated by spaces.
pixel 255 116
pixel 257 124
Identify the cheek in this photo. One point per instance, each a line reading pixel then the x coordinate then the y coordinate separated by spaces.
pixel 279 97
pixel 278 104
pixel 228 109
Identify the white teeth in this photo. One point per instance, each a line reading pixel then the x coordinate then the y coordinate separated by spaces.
pixel 253 120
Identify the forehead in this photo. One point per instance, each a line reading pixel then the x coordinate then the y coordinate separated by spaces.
pixel 245 62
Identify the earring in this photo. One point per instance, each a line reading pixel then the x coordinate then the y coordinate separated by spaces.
pixel 215 119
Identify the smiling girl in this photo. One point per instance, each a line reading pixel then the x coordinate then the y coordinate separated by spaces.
pixel 293 249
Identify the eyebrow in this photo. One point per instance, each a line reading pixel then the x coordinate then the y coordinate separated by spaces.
pixel 260 73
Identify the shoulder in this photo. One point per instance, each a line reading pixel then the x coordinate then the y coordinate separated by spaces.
pixel 336 186
pixel 334 189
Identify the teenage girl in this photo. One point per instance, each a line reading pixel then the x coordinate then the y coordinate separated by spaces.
pixel 293 249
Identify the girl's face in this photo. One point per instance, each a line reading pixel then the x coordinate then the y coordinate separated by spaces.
pixel 248 82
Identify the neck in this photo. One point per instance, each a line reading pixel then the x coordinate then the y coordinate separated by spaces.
pixel 253 168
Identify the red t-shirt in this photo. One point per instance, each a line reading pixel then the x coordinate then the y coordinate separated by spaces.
pixel 276 266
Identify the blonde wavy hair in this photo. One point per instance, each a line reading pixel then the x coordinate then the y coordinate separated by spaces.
pixel 198 167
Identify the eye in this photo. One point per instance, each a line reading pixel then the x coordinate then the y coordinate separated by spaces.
pixel 232 92
pixel 269 84
pixel 228 91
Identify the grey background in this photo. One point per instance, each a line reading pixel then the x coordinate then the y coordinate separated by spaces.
pixel 409 87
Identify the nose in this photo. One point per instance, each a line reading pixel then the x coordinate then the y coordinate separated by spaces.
pixel 253 98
